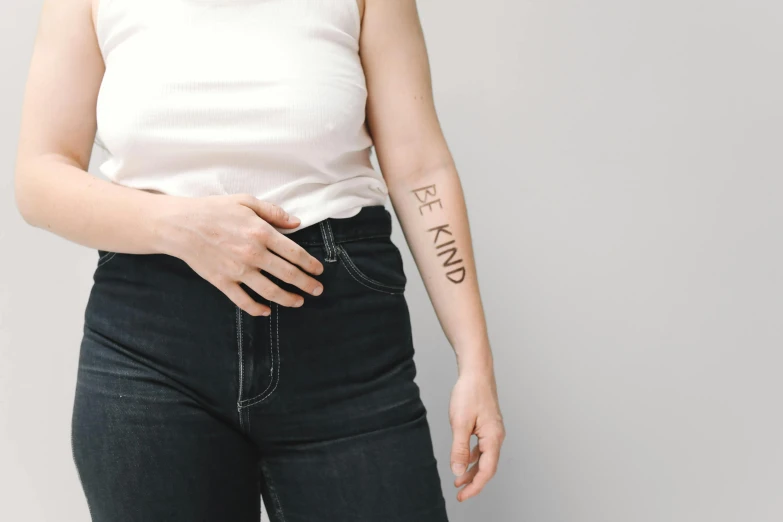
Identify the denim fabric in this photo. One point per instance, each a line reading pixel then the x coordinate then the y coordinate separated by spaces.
pixel 189 409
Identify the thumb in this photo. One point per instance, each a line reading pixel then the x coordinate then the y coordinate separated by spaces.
pixel 269 212
pixel 460 448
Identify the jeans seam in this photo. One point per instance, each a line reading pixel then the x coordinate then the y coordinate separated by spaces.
pixel 106 259
pixel 331 239
pixel 274 375
pixel 331 255
pixel 354 271
pixel 270 486
pixel 241 358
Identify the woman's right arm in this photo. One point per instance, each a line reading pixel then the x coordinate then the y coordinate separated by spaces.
pixel 224 238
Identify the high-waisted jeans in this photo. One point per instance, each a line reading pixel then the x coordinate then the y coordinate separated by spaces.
pixel 189 409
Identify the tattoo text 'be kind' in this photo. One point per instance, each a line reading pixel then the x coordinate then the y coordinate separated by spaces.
pixel 444 245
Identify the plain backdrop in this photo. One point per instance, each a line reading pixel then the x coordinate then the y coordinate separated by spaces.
pixel 622 162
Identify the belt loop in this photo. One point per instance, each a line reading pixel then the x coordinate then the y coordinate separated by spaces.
pixel 328 237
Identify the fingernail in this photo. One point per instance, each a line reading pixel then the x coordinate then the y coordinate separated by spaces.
pixel 299 302
pixel 318 290
pixel 458 468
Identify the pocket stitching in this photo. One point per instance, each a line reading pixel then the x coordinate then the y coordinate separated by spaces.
pixel 275 369
pixel 354 271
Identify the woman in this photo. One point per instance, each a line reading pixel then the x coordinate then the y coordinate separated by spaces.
pixel 247 331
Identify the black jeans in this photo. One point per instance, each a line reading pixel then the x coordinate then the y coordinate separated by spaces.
pixel 189 409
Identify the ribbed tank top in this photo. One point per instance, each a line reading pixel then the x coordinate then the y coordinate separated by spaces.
pixel 265 97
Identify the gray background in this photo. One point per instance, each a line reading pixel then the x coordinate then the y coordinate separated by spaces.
pixel 622 165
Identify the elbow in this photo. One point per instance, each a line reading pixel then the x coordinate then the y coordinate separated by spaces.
pixel 24 196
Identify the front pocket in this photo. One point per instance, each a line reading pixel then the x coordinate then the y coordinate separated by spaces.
pixel 375 263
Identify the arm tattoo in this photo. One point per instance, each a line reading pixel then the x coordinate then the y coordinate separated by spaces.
pixel 445 246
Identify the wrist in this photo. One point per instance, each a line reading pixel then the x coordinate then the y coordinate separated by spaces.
pixel 167 232
pixel 476 364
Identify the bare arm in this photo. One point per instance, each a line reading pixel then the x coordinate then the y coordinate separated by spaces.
pixel 53 189
pixel 427 197
pixel 221 237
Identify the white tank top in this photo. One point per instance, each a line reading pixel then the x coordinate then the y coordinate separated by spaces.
pixel 265 97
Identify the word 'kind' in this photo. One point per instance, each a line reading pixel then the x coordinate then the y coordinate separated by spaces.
pixel 426 196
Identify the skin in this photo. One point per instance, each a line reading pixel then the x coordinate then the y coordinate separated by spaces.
pixel 227 239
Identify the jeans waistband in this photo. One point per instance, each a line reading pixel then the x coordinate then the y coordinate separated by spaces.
pixel 371 221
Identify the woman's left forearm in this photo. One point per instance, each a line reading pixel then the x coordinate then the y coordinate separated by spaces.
pixel 433 215
pixel 427 197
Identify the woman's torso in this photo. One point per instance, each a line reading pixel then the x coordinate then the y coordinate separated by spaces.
pixel 210 97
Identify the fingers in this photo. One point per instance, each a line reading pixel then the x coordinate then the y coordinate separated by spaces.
pixel 266 288
pixel 280 255
pixel 268 211
pixel 460 449
pixel 263 238
pixel 468 475
pixel 291 251
pixel 279 267
pixel 489 446
pixel 487 466
pixel 240 298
